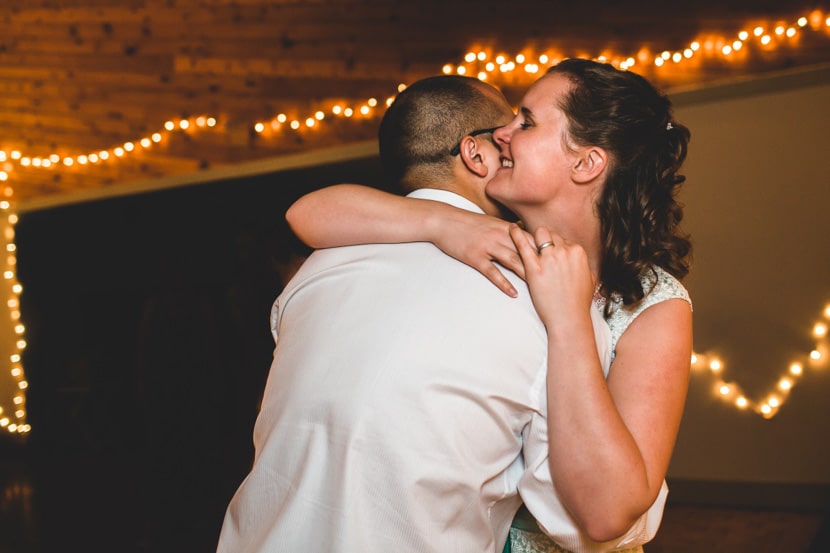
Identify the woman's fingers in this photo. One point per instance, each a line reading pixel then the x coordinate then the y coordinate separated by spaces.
pixel 509 258
pixel 525 244
pixel 495 276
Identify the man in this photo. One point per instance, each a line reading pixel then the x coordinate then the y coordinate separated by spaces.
pixel 405 387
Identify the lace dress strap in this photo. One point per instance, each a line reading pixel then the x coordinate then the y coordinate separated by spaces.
pixel 659 286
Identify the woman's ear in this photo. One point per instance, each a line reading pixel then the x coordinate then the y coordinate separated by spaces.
pixel 473 156
pixel 590 164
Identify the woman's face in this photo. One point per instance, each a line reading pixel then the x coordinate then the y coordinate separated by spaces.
pixel 535 162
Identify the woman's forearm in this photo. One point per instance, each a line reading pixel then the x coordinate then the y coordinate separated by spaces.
pixel 611 440
pixel 349 214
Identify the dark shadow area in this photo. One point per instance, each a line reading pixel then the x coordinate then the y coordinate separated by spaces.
pixel 149 345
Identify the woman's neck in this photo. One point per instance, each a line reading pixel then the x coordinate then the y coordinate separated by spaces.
pixel 577 226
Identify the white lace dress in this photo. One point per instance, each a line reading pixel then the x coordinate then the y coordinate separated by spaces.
pixel 525 536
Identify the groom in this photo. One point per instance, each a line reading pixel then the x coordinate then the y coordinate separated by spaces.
pixel 406 398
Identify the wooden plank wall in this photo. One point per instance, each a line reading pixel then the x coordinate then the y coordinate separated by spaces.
pixel 81 76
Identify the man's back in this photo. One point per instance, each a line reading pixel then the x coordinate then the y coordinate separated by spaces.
pixel 393 415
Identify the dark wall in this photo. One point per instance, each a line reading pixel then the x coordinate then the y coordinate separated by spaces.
pixel 149 345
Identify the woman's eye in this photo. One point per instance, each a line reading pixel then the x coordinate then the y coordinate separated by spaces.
pixel 525 125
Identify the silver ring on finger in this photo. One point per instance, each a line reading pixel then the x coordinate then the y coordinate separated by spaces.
pixel 543 246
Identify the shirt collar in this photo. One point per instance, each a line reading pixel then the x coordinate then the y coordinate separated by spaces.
pixel 445 196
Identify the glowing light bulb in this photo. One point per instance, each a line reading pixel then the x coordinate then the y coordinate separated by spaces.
pixel 259 127
pixel 726 50
pixel 372 102
pixel 802 21
pixel 766 39
pixel 796 369
pixel 310 122
pixel 146 142
pixel 129 146
pixel 724 390
pixel 695 46
pixel 737 45
pixel 211 121
pixel 156 137
pixel 520 58
pixel 282 118
pixel 461 70
pixel 758 31
pixel 184 124
pixel 815 355
pixel 743 35
pixel 319 115
pixel 543 59
pixel 364 110
pixel 348 112
pixel 482 76
pixel 820 330
pixel 677 57
pixel 118 152
pixel 741 402
pixel 470 57
pixel 791 32
pixel 482 56
pixel 774 402
pixel 785 384
pixel 295 124
pixel 715 365
pixel 447 69
pixel 169 125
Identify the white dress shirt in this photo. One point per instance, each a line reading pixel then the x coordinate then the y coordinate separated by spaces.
pixel 403 389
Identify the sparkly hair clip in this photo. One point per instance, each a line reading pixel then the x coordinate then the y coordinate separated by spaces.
pixel 669 126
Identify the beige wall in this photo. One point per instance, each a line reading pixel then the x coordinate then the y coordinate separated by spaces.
pixel 758 203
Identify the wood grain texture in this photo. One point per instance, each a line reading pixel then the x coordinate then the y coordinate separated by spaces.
pixel 81 76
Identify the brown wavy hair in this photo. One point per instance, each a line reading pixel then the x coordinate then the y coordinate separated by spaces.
pixel 625 115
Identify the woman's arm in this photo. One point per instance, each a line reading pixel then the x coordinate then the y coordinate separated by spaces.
pixel 349 214
pixel 610 440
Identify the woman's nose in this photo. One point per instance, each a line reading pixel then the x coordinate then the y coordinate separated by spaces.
pixel 502 135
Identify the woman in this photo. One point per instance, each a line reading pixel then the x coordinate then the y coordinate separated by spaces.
pixel 589 165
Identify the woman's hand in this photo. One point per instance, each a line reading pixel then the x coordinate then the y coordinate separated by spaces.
pixel 557 273
pixel 479 241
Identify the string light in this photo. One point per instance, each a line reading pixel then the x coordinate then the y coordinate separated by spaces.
pixel 522 68
pixel 768 407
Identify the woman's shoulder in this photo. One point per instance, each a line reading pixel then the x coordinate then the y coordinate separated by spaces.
pixel 658 286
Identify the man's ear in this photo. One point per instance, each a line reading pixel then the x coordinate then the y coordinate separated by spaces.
pixel 589 164
pixel 473 156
